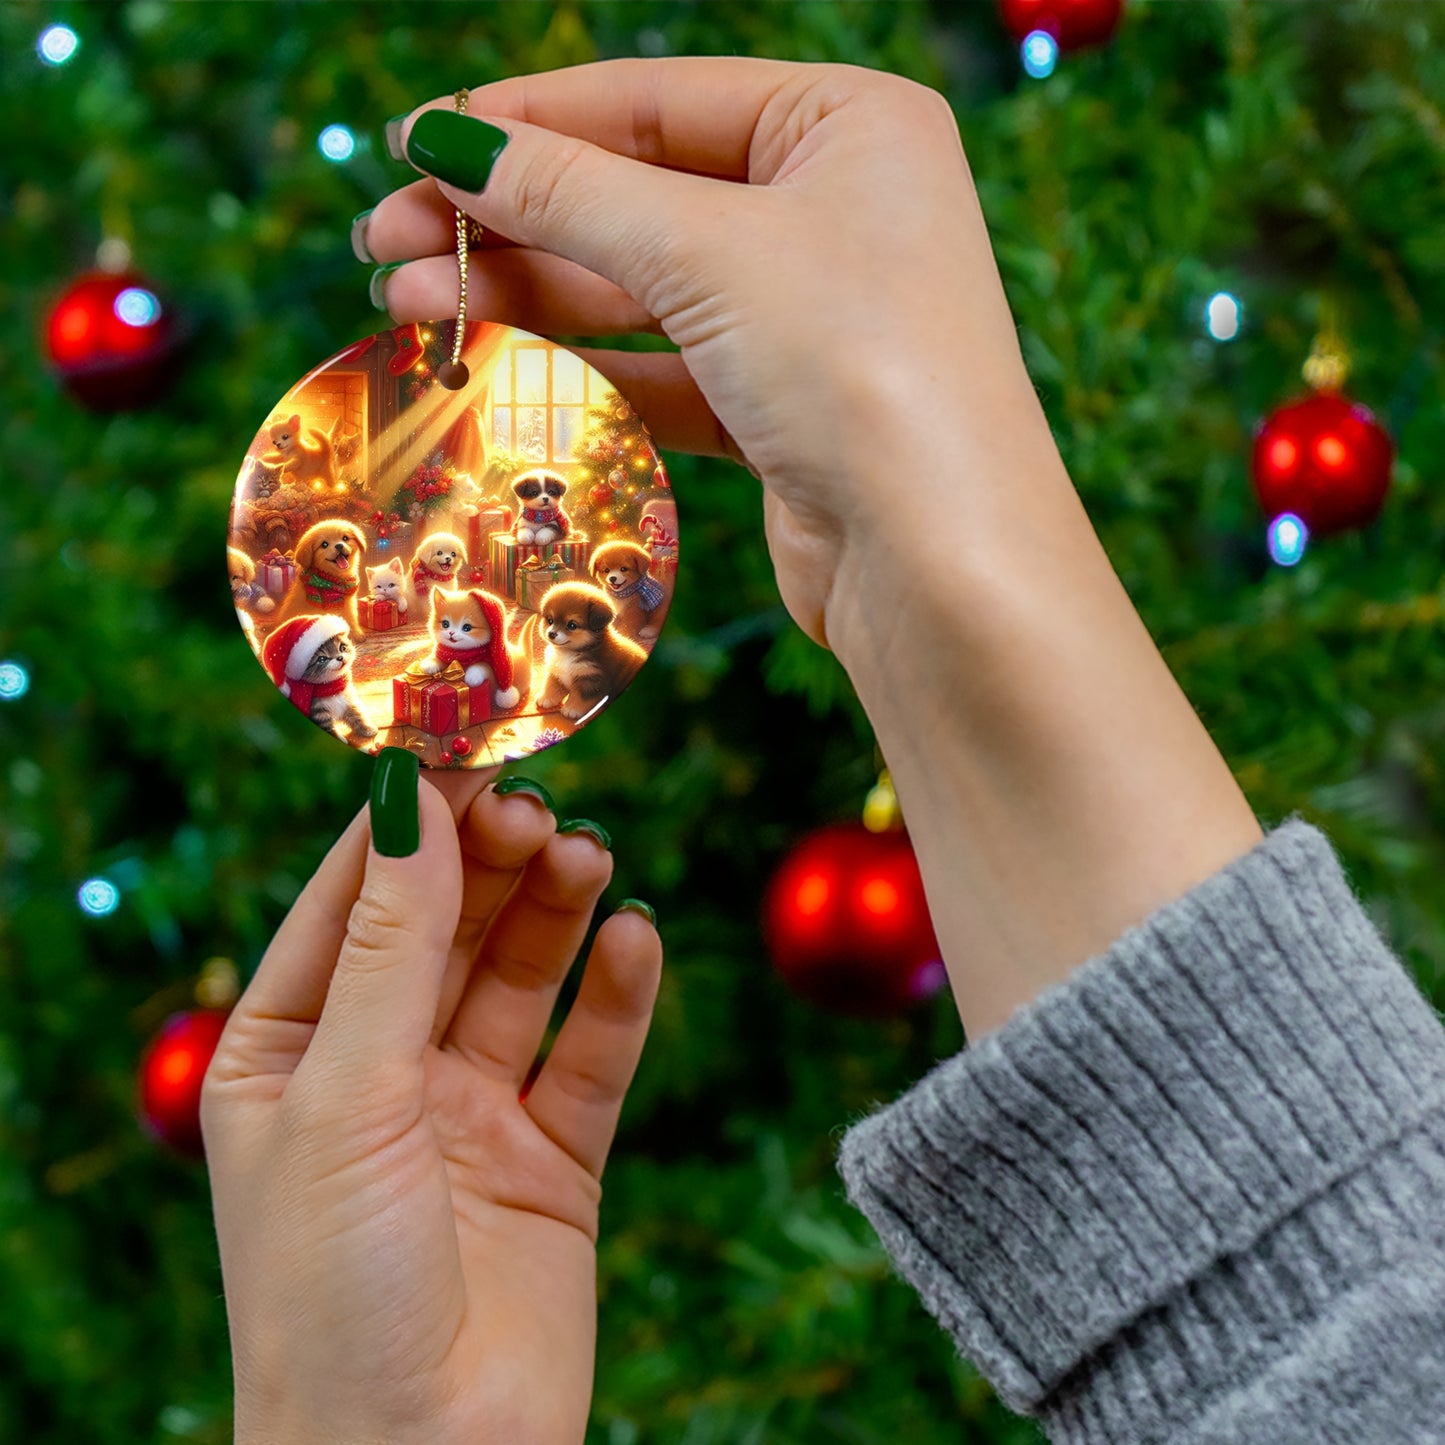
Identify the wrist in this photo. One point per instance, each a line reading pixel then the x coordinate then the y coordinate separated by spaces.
pixel 1057 784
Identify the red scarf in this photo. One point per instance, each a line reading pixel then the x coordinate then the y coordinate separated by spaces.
pixel 327 590
pixel 467 656
pixel 303 693
pixel 420 571
pixel 546 517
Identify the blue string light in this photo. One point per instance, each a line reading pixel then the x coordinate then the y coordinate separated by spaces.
pixel 57 44
pixel 337 143
pixel 14 681
pixel 1288 537
pixel 98 897
pixel 1040 54
pixel 1223 316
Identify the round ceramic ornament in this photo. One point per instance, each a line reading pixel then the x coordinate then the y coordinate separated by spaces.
pixel 470 571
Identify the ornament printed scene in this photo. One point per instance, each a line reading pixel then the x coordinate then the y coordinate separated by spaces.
pixel 470 574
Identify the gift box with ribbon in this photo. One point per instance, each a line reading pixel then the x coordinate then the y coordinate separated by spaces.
pixel 379 614
pixel 535 576
pixel 439 702
pixel 478 525
pixel 276 572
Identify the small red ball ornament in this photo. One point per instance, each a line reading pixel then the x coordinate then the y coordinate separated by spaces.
pixel 111 341
pixel 171 1072
pixel 1073 23
pixel 847 923
pixel 461 746
pixel 1324 458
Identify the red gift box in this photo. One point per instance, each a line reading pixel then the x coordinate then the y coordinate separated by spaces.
pixel 439 702
pixel 481 522
pixel 379 614
pixel 276 572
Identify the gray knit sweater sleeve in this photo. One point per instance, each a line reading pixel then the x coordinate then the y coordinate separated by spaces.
pixel 1197 1191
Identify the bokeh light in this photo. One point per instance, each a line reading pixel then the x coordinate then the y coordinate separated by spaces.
pixel 57 44
pixel 98 897
pixel 1223 316
pixel 14 681
pixel 1040 54
pixel 137 307
pixel 1288 537
pixel 337 143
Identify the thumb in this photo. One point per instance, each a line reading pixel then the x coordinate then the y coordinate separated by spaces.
pixel 382 1000
pixel 638 225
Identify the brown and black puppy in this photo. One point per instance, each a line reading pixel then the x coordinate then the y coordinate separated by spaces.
pixel 328 570
pixel 621 570
pixel 586 659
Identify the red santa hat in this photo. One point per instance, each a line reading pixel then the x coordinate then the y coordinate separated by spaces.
pixel 289 650
pixel 498 657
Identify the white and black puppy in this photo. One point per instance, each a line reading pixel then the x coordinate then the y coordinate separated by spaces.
pixel 540 516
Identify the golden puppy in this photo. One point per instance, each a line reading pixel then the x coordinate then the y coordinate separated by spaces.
pixel 621 570
pixel 328 570
pixel 586 659
pixel 439 558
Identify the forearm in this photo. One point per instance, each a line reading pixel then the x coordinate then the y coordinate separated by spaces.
pixel 1056 782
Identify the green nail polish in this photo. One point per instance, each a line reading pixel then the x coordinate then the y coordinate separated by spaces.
pixel 455 148
pixel 395 809
pixel 636 905
pixel 393 137
pixel 586 825
pixel 525 785
pixel 359 247
pixel 377 289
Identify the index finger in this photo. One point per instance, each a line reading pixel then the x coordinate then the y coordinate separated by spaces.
pixel 693 113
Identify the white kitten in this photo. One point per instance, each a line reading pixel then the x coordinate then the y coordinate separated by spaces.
pixel 389 583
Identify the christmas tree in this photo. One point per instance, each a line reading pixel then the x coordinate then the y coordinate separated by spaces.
pixel 161 806
pixel 617 450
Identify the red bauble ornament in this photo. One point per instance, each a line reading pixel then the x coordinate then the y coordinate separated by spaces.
pixel 659 479
pixel 847 923
pixel 601 494
pixel 111 341
pixel 461 746
pixel 1073 23
pixel 1324 458
pixel 171 1072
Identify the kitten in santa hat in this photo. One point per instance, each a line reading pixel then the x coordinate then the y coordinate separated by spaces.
pixel 309 659
pixel 470 628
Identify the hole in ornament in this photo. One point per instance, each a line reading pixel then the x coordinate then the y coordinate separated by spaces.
pixel 453 375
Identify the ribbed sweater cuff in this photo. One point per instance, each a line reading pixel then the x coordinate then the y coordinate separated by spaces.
pixel 1181 1130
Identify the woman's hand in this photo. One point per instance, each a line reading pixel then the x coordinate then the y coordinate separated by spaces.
pixel 808 235
pixel 407 1247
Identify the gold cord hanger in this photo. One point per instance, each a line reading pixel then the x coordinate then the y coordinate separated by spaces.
pixel 453 374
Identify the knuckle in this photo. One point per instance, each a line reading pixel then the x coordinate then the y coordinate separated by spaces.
pixel 374 935
pixel 541 189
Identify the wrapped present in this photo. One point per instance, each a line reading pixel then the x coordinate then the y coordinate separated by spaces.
pixel 505 554
pixel 575 550
pixel 478 525
pixel 276 572
pixel 534 577
pixel 379 614
pixel 439 702
pixel 664 565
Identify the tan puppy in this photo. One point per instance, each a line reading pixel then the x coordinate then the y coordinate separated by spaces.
pixel 586 659
pixel 328 570
pixel 621 570
pixel 438 560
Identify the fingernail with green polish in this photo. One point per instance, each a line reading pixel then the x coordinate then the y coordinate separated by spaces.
pixel 525 785
pixel 586 825
pixel 395 808
pixel 393 137
pixel 636 905
pixel 359 247
pixel 377 289
pixel 455 148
